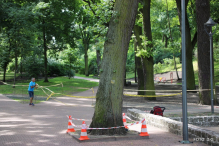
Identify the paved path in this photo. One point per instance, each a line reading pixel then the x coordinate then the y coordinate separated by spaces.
pixel 89 79
pixel 45 125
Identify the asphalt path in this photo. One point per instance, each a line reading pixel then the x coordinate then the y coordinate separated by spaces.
pixel 45 124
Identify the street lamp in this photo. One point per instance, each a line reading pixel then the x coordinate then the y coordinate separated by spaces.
pixel 210 23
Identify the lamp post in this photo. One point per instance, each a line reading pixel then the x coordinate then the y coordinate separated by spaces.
pixel 184 84
pixel 210 23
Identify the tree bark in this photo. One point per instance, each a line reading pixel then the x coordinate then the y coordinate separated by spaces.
pixel 189 49
pixel 203 14
pixel 174 58
pixel 148 63
pixel 139 63
pixel 171 38
pixel 86 59
pixel 98 61
pixel 15 69
pixel 45 52
pixel 135 49
pixel 109 97
pixel 21 65
pixel 4 75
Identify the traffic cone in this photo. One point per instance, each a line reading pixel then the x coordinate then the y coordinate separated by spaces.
pixel 124 120
pixel 70 126
pixel 83 132
pixel 144 131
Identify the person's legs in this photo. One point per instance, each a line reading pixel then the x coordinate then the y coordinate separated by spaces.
pixel 31 100
pixel 31 97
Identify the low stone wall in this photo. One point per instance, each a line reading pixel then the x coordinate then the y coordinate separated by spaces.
pixel 204 121
pixel 175 127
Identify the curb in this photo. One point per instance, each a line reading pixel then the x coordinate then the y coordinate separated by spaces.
pixel 131 135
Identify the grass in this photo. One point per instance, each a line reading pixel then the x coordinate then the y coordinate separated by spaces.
pixel 130 75
pixel 216 73
pixel 90 76
pixel 70 86
pixel 9 75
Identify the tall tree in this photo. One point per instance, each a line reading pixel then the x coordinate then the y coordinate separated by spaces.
pixel 138 61
pixel 203 14
pixel 56 24
pixel 109 97
pixel 147 58
pixel 190 44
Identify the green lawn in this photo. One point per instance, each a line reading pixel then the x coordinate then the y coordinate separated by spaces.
pixel 70 86
pixel 195 66
pixel 129 75
pixel 90 76
pixel 9 76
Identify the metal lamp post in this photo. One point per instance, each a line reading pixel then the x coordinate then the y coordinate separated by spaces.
pixel 184 84
pixel 210 23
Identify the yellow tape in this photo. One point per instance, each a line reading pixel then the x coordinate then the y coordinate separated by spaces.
pixel 152 95
pixel 168 90
pixel 50 96
pixel 28 85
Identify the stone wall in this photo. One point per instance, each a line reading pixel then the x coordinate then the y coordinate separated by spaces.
pixel 175 127
pixel 204 121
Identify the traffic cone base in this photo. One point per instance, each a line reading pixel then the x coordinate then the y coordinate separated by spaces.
pixel 124 120
pixel 70 127
pixel 83 132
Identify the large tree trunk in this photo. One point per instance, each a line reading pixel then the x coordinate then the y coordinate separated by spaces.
pixel 109 97
pixel 203 14
pixel 189 49
pixel 148 62
pixel 98 61
pixel 45 52
pixel 86 59
pixel 139 64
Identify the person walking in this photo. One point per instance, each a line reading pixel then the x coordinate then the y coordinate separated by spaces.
pixel 32 85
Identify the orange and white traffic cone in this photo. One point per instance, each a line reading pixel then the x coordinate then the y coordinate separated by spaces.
pixel 144 131
pixel 83 132
pixel 70 126
pixel 124 120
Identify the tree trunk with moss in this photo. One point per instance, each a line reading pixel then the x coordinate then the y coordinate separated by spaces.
pixel 203 14
pixel 109 97
pixel 15 67
pixel 45 53
pixel 190 44
pixel 148 63
pixel 139 67
pixel 98 61
pixel 86 59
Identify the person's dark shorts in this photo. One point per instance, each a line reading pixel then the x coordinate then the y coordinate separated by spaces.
pixel 31 94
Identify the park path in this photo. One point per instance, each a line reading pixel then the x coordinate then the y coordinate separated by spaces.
pixel 45 125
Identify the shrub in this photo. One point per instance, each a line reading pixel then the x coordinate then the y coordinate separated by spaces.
pixel 93 66
pixel 56 67
pixel 70 73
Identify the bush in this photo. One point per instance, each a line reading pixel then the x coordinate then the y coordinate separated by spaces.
pixel 33 66
pixel 157 67
pixel 56 67
pixel 93 66
pixel 70 73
